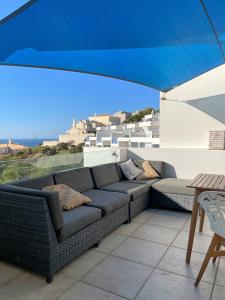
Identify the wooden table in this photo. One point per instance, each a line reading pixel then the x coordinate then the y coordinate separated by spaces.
pixel 201 183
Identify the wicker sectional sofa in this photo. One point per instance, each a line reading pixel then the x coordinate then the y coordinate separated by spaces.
pixel 35 233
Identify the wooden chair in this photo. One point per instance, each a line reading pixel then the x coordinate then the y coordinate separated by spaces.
pixel 213 203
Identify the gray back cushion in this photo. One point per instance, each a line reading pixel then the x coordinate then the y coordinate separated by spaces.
pixel 35 183
pixel 105 174
pixel 78 179
pixel 119 171
pixel 157 165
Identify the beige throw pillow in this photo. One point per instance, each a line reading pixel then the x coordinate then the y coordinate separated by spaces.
pixel 68 197
pixel 148 171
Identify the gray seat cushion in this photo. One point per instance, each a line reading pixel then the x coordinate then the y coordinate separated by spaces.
pixel 78 218
pixel 105 174
pixel 149 182
pixel 78 179
pixel 135 190
pixel 174 186
pixel 108 202
pixel 35 183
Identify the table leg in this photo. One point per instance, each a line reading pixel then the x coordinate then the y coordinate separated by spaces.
pixel 192 226
pixel 202 218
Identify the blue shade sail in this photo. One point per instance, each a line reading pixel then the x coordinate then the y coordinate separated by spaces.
pixel 158 43
pixel 216 11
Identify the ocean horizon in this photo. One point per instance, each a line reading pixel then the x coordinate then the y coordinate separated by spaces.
pixel 28 142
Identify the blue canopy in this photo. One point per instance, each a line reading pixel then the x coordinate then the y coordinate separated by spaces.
pixel 158 43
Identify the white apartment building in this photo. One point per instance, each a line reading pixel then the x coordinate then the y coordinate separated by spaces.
pixel 144 134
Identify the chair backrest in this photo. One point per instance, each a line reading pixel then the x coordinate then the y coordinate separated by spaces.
pixel 213 204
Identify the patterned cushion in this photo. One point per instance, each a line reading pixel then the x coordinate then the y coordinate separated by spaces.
pixel 149 171
pixel 130 170
pixel 69 198
pixel 156 164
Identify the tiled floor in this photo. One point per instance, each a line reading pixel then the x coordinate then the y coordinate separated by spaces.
pixel 142 260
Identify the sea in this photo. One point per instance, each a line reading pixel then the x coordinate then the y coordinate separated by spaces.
pixel 26 142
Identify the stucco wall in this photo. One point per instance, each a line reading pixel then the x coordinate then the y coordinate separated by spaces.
pixel 184 163
pixel 185 125
pixel 180 163
pixel 208 84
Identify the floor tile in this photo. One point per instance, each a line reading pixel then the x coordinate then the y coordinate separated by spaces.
pixel 32 286
pixel 8 272
pixel 119 276
pixel 82 291
pixel 168 286
pixel 84 263
pixel 155 234
pixel 141 251
pixel 220 277
pixel 173 213
pixel 135 249
pixel 174 261
pixel 218 293
pixel 168 221
pixel 206 228
pixel 201 241
pixel 127 229
pixel 110 242
pixel 144 216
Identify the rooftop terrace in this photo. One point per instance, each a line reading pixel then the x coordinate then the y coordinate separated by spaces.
pixel 146 258
pixel 142 260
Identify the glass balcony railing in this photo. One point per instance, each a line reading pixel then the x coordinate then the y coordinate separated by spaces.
pixel 17 169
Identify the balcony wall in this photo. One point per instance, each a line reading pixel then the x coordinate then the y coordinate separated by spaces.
pixel 184 163
pixel 181 163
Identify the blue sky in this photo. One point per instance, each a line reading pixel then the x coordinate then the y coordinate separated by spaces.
pixel 42 103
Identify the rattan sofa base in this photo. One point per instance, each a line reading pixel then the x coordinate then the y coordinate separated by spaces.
pixel 138 205
pixel 28 239
pixel 112 221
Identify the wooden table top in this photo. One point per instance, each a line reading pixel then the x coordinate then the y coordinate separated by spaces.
pixel 208 182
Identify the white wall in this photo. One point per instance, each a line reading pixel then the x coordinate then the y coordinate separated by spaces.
pixel 180 163
pixel 184 126
pixel 208 84
pixel 184 163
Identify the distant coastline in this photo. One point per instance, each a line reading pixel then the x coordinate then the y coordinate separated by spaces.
pixel 29 142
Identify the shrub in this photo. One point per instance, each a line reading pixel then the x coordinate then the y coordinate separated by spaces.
pixel 62 146
pixel 77 149
pixel 46 150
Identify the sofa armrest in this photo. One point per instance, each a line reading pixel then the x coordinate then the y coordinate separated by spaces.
pixel 51 198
